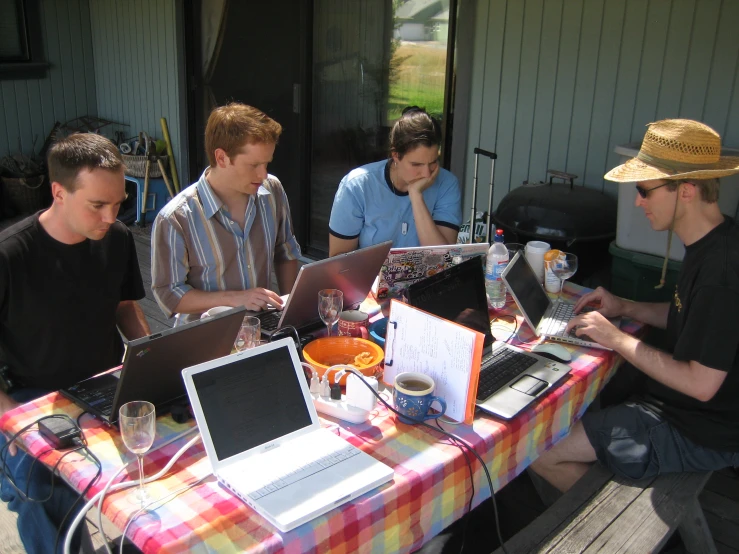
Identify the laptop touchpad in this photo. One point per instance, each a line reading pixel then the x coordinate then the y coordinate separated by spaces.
pixel 529 385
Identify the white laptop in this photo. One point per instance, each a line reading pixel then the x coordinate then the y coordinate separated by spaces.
pixel 548 319
pixel 264 441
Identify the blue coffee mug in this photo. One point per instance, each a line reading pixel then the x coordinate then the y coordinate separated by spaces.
pixel 413 396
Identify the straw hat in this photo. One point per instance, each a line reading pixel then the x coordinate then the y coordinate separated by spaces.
pixel 677 149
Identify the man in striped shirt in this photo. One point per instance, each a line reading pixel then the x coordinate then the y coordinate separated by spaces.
pixel 218 241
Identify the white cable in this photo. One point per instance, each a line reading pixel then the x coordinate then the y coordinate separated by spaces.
pixel 110 481
pixel 161 502
pixel 119 486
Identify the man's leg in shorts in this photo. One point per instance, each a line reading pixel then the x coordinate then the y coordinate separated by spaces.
pixel 567 461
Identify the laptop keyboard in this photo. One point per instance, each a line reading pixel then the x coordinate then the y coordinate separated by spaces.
pixel 307 470
pixel 270 320
pixel 100 399
pixel 499 367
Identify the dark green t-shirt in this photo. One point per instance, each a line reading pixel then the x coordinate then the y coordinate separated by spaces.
pixel 703 325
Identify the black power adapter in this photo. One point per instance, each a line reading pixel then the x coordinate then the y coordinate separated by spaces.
pixel 59 432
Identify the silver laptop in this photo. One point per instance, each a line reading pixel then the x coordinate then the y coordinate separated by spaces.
pixel 510 379
pixel 264 441
pixel 353 273
pixel 547 318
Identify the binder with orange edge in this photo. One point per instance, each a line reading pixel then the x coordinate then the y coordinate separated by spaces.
pixel 476 358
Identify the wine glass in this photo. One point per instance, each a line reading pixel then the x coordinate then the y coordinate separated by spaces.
pixel 137 420
pixel 330 304
pixel 249 334
pixel 564 268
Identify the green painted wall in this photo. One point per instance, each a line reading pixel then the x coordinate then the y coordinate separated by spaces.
pixel 136 66
pixel 29 107
pixel 558 83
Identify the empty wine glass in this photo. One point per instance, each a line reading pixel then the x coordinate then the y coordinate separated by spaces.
pixel 137 420
pixel 565 268
pixel 330 304
pixel 249 334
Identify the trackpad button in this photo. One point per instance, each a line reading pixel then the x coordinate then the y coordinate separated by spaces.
pixel 529 385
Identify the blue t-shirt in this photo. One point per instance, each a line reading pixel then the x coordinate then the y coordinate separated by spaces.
pixel 366 206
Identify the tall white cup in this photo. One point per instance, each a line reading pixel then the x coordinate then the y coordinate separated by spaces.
pixel 535 250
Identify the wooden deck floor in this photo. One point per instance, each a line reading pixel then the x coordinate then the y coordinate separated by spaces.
pixel 720 499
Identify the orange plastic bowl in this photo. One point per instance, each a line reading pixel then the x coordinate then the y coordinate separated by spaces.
pixel 328 351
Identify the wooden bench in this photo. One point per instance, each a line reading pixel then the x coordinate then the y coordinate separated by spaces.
pixel 608 514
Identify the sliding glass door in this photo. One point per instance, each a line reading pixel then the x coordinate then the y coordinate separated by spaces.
pixel 370 59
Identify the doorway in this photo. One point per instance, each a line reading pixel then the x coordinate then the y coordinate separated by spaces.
pixel 335 74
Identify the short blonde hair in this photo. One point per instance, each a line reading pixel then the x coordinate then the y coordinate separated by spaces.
pixel 235 125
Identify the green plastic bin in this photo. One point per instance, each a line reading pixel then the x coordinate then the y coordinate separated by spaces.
pixel 634 275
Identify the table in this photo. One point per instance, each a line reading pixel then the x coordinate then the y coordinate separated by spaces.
pixel 431 488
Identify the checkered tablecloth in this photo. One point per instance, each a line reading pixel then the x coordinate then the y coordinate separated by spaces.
pixel 430 490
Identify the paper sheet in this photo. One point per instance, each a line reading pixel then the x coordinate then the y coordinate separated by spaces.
pixel 420 342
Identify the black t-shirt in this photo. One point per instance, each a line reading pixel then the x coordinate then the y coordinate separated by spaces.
pixel 58 303
pixel 703 325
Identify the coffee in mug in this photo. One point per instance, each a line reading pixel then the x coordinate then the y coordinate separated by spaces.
pixel 413 384
pixel 413 396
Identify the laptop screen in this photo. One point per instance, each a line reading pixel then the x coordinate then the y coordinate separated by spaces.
pixel 456 294
pixel 523 284
pixel 251 401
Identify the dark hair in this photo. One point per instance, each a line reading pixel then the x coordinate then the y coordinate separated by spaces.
pixel 414 128
pixel 69 155
pixel 235 125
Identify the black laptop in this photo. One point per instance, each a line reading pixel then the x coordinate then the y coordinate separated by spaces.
pixel 152 366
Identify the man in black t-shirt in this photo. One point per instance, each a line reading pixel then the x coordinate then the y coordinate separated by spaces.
pixel 687 419
pixel 68 277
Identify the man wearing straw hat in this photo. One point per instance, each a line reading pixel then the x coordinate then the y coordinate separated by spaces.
pixel 686 417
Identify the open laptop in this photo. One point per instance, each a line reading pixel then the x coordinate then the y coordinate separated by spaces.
pixel 264 440
pixel 408 265
pixel 510 379
pixel 353 273
pixel 152 366
pixel 547 318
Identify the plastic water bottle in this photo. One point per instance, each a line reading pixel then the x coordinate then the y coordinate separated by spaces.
pixel 497 261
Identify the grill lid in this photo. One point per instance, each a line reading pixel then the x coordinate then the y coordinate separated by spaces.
pixel 558 212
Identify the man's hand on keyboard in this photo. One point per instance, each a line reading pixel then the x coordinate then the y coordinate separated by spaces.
pixel 597 327
pixel 610 305
pixel 258 299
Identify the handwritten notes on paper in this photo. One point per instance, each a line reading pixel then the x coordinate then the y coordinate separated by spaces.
pixel 420 342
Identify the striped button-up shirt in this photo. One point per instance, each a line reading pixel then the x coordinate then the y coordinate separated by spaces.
pixel 196 245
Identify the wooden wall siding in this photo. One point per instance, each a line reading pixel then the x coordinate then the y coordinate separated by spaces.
pixel 29 107
pixel 559 83
pixel 136 66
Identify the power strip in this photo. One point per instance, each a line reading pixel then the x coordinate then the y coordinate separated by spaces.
pixel 340 409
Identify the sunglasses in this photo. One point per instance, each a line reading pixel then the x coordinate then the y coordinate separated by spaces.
pixel 645 192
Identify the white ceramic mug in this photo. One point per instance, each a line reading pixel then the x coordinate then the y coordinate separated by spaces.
pixel 535 250
pixel 214 311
